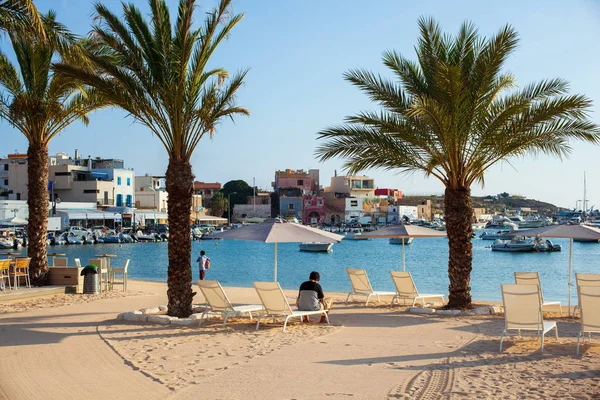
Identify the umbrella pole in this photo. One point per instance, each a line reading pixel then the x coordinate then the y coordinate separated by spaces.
pixel 275 260
pixel 403 258
pixel 570 271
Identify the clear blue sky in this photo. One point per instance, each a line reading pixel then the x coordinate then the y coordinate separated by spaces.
pixel 297 52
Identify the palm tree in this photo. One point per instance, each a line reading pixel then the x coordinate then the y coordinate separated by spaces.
pixel 160 77
pixel 40 104
pixel 452 115
pixel 20 15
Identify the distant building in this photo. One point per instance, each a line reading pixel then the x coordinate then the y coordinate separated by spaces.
pixel 388 193
pixel 150 193
pixel 207 190
pixel 350 186
pixel 291 187
pixel 14 176
pixel 314 210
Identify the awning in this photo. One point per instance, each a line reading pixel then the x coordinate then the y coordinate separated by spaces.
pixel 100 175
pixel 86 214
pixel 151 215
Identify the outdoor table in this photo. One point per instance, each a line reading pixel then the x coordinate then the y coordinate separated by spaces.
pixel 107 258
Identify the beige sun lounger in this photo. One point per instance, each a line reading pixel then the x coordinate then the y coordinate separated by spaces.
pixel 589 306
pixel 362 286
pixel 60 262
pixel 523 311
pixel 585 280
pixel 533 278
pixel 276 304
pixel 406 289
pixel 218 302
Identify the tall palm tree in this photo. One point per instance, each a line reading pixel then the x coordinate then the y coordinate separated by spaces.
pixel 159 75
pixel 41 104
pixel 452 115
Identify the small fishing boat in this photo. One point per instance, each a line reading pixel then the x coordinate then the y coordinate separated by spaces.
pixel 318 247
pixel 399 240
pixel 514 245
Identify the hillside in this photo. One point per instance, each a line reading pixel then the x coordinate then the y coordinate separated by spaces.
pixel 490 203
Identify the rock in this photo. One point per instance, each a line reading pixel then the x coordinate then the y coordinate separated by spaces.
pixel 120 316
pixel 138 312
pixel 449 312
pixel 480 311
pixel 163 308
pixel 495 310
pixel 418 310
pixel 182 321
pixel 196 317
pixel 132 316
pixel 151 310
pixel 160 319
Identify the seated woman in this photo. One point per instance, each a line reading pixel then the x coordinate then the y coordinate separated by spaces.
pixel 311 297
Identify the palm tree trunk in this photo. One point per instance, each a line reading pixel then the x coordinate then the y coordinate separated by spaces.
pixel 180 183
pixel 37 200
pixel 459 214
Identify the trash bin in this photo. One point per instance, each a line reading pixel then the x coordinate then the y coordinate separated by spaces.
pixel 90 280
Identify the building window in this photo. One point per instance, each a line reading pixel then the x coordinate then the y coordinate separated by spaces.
pixel 62 173
pixel 319 202
pixel 6 182
pixel 300 182
pixel 118 180
pixel 91 191
pixel 128 199
pixel 119 200
pixel 6 167
pixel 290 206
pixel 353 203
pixel 128 181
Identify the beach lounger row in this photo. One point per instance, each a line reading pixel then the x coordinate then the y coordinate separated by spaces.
pixel 523 304
pixel 405 288
pixel 274 303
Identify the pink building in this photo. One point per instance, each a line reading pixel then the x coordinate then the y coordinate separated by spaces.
pixel 299 179
pixel 314 210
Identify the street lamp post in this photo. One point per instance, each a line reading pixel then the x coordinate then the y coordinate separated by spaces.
pixel 229 208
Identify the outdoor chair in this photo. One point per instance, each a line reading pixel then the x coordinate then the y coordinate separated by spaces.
pixel 523 311
pixel 589 306
pixel 102 272
pixel 218 302
pixel 21 269
pixel 406 289
pixel 123 272
pixel 60 262
pixel 362 286
pixel 5 274
pixel 585 280
pixel 533 278
pixel 276 305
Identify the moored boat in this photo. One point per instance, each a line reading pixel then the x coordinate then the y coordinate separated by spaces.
pixel 399 240
pixel 514 245
pixel 319 247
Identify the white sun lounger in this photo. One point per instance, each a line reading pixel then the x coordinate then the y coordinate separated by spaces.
pixel 585 280
pixel 533 278
pixel 218 303
pixel 523 311
pixel 276 304
pixel 406 289
pixel 362 286
pixel 589 306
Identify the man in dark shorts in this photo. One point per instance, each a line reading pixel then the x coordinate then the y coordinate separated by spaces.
pixel 311 297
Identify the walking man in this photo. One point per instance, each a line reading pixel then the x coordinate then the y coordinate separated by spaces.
pixel 203 264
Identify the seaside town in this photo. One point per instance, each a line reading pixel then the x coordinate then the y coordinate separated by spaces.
pixel 138 260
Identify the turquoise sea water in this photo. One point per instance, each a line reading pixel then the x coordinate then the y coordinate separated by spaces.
pixel 239 263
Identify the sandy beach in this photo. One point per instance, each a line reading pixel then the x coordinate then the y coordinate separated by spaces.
pixel 72 347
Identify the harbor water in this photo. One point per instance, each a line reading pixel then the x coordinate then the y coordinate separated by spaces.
pixel 239 263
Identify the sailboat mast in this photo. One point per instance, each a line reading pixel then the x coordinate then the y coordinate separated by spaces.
pixel 584 196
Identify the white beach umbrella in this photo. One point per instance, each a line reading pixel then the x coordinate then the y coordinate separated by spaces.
pixel 14 221
pixel 566 232
pixel 400 231
pixel 275 230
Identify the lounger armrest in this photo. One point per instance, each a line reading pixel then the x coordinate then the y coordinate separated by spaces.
pixel 384 293
pixel 548 325
pixel 551 303
pixel 248 308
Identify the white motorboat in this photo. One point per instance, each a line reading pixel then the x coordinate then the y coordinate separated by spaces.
pixel 399 240
pixel 514 245
pixel 318 247
pixel 502 235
